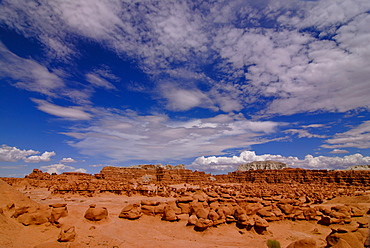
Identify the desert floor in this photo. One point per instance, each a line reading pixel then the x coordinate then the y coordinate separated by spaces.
pixel 150 231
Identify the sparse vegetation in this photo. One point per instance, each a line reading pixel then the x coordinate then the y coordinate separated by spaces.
pixel 273 244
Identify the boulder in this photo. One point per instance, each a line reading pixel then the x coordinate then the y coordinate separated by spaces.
pixel 252 208
pixel 202 224
pixel 58 211
pixel 245 221
pixel 96 214
pixel 148 210
pixel 37 218
pixel 349 240
pixel 286 208
pixel 212 215
pixel 185 207
pixel 192 220
pixel 174 206
pixel 131 212
pixel 303 243
pixel 19 211
pixel 67 234
pixel 202 213
pixel 260 225
pixel 169 214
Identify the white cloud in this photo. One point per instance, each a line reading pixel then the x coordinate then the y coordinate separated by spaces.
pixel 98 81
pixel 42 158
pixel 288 56
pixel 358 137
pixel 13 154
pixel 59 168
pixel 304 133
pixel 222 164
pixel 68 160
pixel 29 74
pixel 124 136
pixel 98 165
pixel 182 100
pixel 313 126
pixel 73 113
pixel 338 151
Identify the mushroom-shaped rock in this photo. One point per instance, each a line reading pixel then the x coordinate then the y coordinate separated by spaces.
pixel 252 208
pixel 345 240
pixel 192 220
pixel 195 206
pixel 169 214
pixel 303 243
pixel 245 221
pixel 230 218
pixel 286 208
pixel 202 213
pixel 67 234
pixel 202 224
pixel 212 215
pixel 96 213
pixel 148 210
pixel 131 212
pixel 185 207
pixel 58 211
pixel 260 225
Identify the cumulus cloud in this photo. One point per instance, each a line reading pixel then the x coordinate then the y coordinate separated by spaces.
pixel 124 136
pixel 72 113
pixel 226 164
pixel 338 151
pixel 60 168
pixel 13 154
pixel 45 157
pixel 68 160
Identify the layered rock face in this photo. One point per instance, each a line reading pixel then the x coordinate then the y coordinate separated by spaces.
pixel 262 165
pixel 153 174
pixel 289 175
pixel 153 180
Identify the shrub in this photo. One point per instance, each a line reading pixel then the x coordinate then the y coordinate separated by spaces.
pixel 273 244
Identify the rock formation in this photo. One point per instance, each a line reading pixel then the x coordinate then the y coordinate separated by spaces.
pixel 262 165
pixel 94 213
pixel 67 234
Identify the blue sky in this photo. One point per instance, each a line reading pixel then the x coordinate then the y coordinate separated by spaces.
pixel 210 84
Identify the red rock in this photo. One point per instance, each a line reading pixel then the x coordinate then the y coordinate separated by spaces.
pixel 202 224
pixel 303 243
pixel 131 212
pixel 96 214
pixel 169 214
pixel 67 234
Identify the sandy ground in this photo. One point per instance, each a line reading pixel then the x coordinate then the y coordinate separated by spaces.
pixel 147 231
